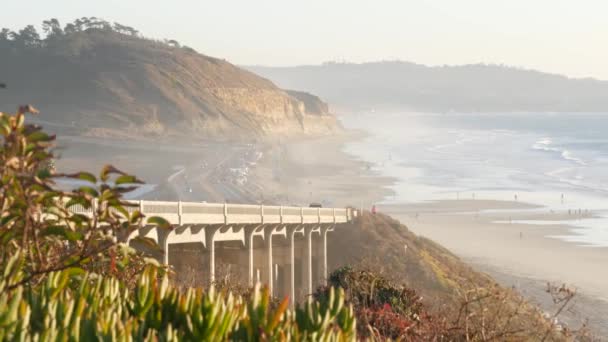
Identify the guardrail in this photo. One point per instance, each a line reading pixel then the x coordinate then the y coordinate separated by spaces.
pixel 180 213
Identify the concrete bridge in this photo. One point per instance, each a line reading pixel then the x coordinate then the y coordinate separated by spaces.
pixel 299 234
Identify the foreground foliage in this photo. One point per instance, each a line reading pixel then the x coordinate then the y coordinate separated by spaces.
pixel 68 276
pixel 36 222
pixel 93 308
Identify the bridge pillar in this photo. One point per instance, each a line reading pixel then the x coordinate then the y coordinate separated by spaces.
pixel 210 233
pixel 249 245
pixel 323 258
pixel 291 236
pixel 308 259
pixel 163 243
pixel 268 241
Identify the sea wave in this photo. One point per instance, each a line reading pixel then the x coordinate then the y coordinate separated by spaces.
pixel 568 156
pixel 546 144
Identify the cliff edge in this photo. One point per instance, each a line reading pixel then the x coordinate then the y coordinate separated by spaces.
pixel 100 81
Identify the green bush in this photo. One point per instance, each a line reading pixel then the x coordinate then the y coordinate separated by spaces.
pixel 37 223
pixel 83 306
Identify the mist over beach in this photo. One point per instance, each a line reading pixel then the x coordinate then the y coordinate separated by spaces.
pixel 521 195
pixel 557 161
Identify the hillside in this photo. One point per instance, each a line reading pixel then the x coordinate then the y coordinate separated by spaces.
pixel 447 285
pixel 409 86
pixel 107 80
pixel 387 246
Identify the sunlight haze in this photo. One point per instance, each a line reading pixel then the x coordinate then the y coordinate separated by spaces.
pixel 564 37
pixel 389 170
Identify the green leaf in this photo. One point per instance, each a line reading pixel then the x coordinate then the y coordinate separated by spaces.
pixel 55 230
pixel 88 190
pixel 146 241
pixel 119 208
pixel 87 177
pixel 39 136
pixel 75 271
pixel 107 170
pixel 125 189
pixel 44 173
pixel 159 222
pixel 127 179
pixel 136 216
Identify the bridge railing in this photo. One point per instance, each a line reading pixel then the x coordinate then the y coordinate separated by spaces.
pixel 223 213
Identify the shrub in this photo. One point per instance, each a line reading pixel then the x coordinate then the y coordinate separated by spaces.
pixel 383 310
pixel 36 221
pixel 365 288
pixel 103 308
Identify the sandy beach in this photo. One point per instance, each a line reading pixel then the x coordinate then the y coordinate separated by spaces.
pixel 484 233
pixel 524 256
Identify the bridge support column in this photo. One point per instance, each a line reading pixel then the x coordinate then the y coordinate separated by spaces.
pixel 323 258
pixel 308 260
pixel 163 243
pixel 210 233
pixel 291 235
pixel 268 241
pixel 249 245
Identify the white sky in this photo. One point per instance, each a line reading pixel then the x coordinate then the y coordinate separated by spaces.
pixel 567 37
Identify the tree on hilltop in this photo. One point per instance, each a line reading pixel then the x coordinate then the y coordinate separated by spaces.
pixel 27 37
pixel 52 27
pixel 4 34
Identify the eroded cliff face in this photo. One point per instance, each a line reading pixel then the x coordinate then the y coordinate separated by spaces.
pixel 108 84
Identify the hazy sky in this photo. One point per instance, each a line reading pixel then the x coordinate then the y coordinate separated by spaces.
pixel 568 37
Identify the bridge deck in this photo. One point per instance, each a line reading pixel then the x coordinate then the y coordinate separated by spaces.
pixel 183 213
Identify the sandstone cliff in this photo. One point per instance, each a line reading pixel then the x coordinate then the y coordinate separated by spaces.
pixel 104 83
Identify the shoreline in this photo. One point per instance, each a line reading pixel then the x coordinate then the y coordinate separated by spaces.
pixel 486 244
pixel 519 255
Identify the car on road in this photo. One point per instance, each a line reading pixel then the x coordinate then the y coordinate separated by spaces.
pixel 315 205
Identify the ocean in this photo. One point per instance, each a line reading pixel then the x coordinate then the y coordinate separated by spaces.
pixel 556 160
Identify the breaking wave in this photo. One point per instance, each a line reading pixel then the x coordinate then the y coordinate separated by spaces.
pixel 546 144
